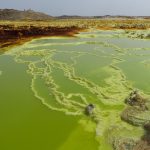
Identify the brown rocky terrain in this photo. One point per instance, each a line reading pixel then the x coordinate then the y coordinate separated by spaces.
pixel 19 26
pixel 11 35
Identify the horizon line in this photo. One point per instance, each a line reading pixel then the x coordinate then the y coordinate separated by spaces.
pixel 107 15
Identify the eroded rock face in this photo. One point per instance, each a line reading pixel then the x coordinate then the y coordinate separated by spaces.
pixel 10 34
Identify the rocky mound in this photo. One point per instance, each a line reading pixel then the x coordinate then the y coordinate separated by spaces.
pixel 12 14
pixel 137 111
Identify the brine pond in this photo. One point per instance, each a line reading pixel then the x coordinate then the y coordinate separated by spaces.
pixel 46 84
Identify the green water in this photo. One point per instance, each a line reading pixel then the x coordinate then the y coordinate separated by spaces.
pixel 46 84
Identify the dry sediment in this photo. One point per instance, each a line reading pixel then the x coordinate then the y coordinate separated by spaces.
pixel 11 35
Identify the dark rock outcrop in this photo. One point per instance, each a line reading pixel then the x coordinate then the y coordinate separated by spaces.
pixel 136 99
pixel 89 109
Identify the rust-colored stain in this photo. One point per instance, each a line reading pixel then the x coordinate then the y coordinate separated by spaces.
pixel 14 33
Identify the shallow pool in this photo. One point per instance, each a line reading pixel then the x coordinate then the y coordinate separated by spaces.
pixel 46 84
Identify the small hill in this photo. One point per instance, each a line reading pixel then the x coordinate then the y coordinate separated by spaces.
pixel 12 14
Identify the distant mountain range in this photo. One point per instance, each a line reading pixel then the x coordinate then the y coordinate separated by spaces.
pixel 12 14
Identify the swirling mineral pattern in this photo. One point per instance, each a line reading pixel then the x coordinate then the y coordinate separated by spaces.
pixel 68 74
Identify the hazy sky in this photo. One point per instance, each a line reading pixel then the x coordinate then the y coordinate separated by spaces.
pixel 82 7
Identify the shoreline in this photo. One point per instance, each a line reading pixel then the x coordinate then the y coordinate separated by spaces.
pixel 10 38
pixel 14 33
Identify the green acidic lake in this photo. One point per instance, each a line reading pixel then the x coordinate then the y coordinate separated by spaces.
pixel 46 84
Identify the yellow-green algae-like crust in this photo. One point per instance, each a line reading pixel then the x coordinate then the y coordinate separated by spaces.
pixel 108 98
